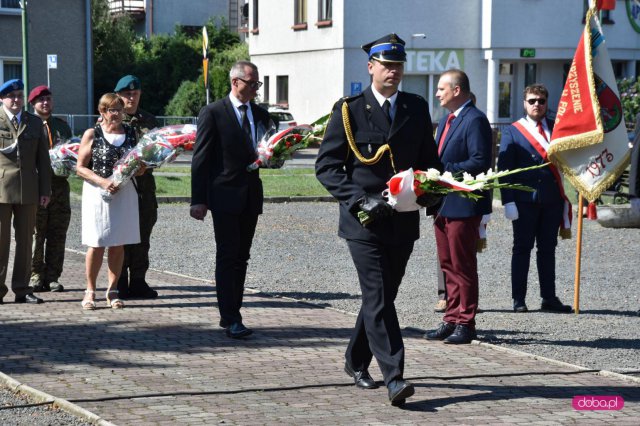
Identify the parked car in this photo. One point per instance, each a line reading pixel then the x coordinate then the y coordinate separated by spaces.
pixel 282 118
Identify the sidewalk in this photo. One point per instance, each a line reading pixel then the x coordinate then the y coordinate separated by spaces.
pixel 165 361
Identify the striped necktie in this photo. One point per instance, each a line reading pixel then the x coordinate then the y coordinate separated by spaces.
pixel 15 122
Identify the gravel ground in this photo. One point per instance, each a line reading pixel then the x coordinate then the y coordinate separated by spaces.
pixel 296 253
pixel 18 415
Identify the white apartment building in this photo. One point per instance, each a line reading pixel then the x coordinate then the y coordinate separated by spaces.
pixel 308 51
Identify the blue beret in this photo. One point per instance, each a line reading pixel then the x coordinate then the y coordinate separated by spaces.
pixel 389 48
pixel 128 82
pixel 10 86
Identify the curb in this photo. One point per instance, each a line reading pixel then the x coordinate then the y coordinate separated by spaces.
pixel 305 199
pixel 605 373
pixel 44 398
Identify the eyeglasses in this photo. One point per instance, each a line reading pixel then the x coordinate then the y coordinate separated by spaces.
pixel 114 111
pixel 540 101
pixel 252 84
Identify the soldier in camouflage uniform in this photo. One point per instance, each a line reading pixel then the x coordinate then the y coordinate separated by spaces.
pixel 52 222
pixel 132 283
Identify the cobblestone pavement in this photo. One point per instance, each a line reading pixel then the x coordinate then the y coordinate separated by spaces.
pixel 165 361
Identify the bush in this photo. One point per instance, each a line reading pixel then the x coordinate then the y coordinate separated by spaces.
pixel 191 96
pixel 629 95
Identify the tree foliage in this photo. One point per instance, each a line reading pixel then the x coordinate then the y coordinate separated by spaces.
pixel 191 97
pixel 630 96
pixel 112 48
pixel 164 63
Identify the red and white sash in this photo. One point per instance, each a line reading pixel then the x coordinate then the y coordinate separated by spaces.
pixel 538 142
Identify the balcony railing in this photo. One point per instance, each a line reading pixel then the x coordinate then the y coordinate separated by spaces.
pixel 134 8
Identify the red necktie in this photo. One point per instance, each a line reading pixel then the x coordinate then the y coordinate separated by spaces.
pixel 541 130
pixel 443 136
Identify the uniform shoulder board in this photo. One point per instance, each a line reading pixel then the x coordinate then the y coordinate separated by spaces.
pixel 352 98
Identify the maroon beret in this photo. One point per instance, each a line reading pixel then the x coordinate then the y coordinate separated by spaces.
pixel 37 92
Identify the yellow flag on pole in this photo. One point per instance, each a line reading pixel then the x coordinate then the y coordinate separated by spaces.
pixel 205 59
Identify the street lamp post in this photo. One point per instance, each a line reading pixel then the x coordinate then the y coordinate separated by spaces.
pixel 25 50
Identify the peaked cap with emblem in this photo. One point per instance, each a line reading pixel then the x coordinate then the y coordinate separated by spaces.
pixel 128 82
pixel 11 85
pixel 389 48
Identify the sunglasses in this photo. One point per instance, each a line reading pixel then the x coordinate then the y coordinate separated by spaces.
pixel 540 101
pixel 252 84
pixel 114 111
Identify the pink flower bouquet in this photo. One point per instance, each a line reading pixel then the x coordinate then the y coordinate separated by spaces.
pixel 274 147
pixel 64 157
pixel 156 148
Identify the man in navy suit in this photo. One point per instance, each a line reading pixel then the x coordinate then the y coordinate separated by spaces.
pixel 537 216
pixel 369 138
pixel 464 145
pixel 220 182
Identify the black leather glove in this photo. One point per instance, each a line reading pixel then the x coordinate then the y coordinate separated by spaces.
pixel 375 206
pixel 428 199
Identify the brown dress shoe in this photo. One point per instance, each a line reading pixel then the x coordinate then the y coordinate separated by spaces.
pixel 441 306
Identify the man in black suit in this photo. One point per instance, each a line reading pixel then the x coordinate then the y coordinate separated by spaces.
pixel 369 138
pixel 220 182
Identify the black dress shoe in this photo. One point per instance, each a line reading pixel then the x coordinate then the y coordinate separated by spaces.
pixel 520 308
pixel 361 378
pixel 555 305
pixel 56 287
pixel 399 391
pixel 442 332
pixel 40 286
pixel 462 335
pixel 29 298
pixel 141 290
pixel 237 330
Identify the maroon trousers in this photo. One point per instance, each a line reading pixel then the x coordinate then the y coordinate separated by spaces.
pixel 457 240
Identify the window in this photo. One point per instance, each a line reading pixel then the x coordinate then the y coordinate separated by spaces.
pixel 530 71
pixel 10 4
pixel 282 90
pixel 11 70
pixel 265 89
pixel 504 90
pixel 254 9
pixel 324 10
pixel 300 15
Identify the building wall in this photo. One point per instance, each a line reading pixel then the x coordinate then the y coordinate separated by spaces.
pixel 10 22
pixel 52 28
pixel 69 81
pixel 484 34
pixel 169 13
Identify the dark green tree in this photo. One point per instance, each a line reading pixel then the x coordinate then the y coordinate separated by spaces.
pixel 113 55
pixel 190 98
pixel 162 62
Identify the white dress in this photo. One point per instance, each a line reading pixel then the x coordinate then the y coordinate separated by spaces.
pixel 113 223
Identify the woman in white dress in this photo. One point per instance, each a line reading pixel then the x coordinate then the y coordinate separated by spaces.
pixel 106 224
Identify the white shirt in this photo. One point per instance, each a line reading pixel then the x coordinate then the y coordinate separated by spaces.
pixel 457 112
pixel 392 100
pixel 11 115
pixel 533 126
pixel 236 103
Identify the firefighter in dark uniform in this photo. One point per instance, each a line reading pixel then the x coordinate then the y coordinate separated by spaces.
pixel 52 222
pixel 369 138
pixel 132 283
